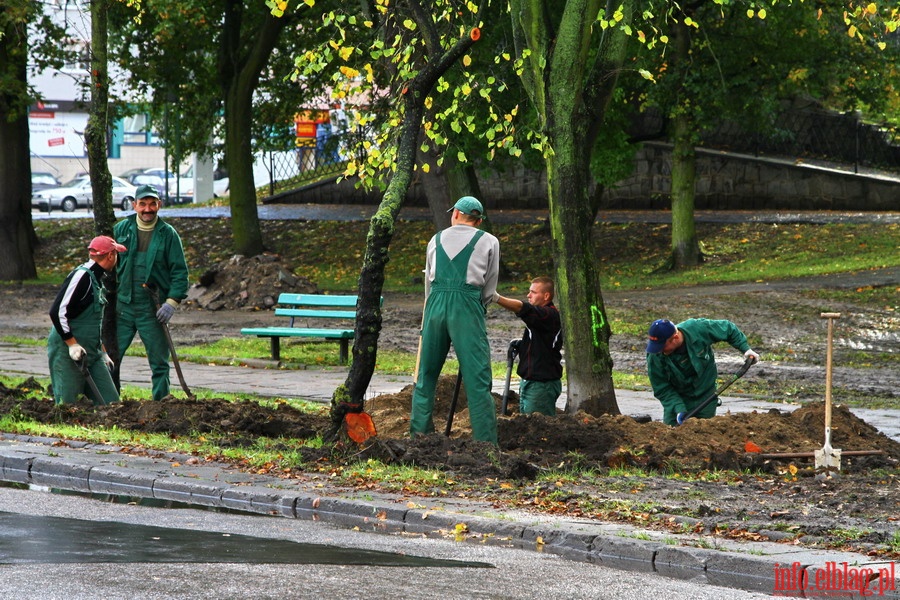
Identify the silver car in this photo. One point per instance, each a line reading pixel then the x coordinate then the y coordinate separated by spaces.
pixel 78 194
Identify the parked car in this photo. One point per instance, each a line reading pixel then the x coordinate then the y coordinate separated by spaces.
pixel 220 184
pixel 41 180
pixel 156 177
pixel 77 193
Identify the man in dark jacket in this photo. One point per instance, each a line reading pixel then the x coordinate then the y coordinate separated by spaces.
pixel 682 366
pixel 156 263
pixel 540 350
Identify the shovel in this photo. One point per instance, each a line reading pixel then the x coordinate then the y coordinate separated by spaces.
pixel 511 354
pixel 715 395
pixel 165 326
pixel 828 459
pixel 83 367
pixel 453 404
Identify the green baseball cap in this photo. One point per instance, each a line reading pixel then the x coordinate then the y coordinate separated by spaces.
pixel 469 205
pixel 146 191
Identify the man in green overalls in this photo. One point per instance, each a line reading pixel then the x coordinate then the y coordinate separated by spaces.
pixel 156 263
pixel 461 269
pixel 682 366
pixel 73 346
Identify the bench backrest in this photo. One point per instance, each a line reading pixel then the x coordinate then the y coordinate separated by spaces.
pixel 316 306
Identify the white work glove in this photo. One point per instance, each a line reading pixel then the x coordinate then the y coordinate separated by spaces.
pixel 165 313
pixel 751 354
pixel 76 352
pixel 495 297
pixel 108 361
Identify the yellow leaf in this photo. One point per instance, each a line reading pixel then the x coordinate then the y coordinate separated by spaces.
pixel 425 168
pixel 872 8
pixel 852 31
pixel 761 13
pixel 346 53
pixel 467 60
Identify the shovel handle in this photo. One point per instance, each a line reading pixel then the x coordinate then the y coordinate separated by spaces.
pixel 828 371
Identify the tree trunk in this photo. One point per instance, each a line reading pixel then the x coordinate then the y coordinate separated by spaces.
pixel 586 328
pixel 350 397
pixel 101 181
pixel 685 247
pixel 16 229
pixel 98 121
pixel 239 73
pixel 571 94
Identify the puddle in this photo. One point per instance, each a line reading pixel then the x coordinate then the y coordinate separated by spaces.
pixel 56 540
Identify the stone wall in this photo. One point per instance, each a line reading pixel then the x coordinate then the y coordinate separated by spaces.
pixel 724 181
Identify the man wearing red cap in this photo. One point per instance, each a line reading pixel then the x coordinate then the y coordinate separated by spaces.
pixel 74 346
pixel 156 262
pixel 682 366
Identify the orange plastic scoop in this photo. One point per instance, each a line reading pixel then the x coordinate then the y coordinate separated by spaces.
pixel 359 426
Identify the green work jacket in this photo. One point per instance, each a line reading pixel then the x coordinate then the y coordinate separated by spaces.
pixel 678 392
pixel 167 270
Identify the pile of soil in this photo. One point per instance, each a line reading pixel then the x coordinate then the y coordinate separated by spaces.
pixel 247 283
pixel 733 441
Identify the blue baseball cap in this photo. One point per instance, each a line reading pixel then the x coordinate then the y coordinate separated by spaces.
pixel 660 331
pixel 469 205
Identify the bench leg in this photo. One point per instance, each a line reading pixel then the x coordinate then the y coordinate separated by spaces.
pixel 276 348
pixel 345 344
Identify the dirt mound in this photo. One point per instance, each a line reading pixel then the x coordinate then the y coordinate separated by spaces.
pixel 247 283
pixel 527 442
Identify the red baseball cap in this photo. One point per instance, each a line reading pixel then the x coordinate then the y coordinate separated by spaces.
pixel 103 244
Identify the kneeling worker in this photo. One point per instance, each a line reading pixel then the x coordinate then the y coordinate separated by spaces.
pixel 682 366
pixel 540 351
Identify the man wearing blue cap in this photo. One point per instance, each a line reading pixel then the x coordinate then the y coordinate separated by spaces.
pixel 682 366
pixel 156 263
pixel 462 266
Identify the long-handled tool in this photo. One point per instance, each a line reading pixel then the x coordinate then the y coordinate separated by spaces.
pixel 453 404
pixel 744 368
pixel 828 458
pixel 83 367
pixel 511 354
pixel 165 327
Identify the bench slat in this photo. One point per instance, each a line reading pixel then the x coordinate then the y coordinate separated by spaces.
pixel 316 300
pixel 315 314
pixel 298 332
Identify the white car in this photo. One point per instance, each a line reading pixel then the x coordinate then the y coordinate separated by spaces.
pixel 78 194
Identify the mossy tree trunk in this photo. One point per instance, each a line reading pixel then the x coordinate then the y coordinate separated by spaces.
pixel 350 397
pixel 570 76
pixel 685 246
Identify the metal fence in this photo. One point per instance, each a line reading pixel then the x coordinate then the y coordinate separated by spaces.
pixel 812 134
pixel 309 160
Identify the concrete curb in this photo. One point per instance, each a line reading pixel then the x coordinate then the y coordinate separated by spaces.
pixel 98 469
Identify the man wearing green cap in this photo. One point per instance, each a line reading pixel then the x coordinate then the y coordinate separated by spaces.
pixel 155 263
pixel 462 265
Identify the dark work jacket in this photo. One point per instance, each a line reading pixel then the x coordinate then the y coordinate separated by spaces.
pixel 540 352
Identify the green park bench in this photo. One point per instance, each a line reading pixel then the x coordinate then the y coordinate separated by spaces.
pixel 310 306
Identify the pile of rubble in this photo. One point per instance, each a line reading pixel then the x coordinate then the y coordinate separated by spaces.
pixel 247 283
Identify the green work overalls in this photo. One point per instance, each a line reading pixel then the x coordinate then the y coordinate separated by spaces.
pixel 454 313
pixel 65 376
pixel 139 316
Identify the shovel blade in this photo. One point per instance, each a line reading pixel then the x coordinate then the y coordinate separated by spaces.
pixel 828 459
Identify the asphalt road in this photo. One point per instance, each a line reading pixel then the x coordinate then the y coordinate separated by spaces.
pixel 512 573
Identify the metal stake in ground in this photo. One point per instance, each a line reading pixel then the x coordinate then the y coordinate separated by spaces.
pixel 828 459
